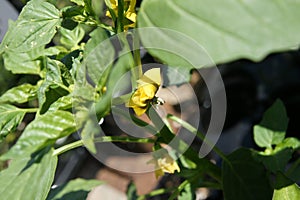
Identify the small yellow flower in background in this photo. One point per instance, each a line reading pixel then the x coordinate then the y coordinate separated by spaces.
pixel 129 11
pixel 164 163
pixel 147 87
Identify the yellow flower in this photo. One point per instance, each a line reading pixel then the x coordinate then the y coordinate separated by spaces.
pixel 165 164
pixel 129 12
pixel 147 87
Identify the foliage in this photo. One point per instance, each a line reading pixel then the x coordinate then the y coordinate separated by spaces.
pixel 73 68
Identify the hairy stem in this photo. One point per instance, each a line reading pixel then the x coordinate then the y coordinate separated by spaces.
pixel 80 143
pixel 198 134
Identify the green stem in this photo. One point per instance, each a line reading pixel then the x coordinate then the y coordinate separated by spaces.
pixel 29 110
pixel 136 69
pixel 64 87
pixel 213 185
pixel 68 147
pixel 155 193
pixel 123 139
pixel 126 48
pixel 120 18
pixel 107 27
pixel 193 130
pixel 80 143
pixel 137 55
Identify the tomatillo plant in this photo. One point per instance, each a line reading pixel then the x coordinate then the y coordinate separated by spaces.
pixel 72 60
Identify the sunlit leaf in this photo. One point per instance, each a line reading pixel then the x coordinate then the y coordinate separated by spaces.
pixel 71 38
pixel 290 142
pixel 271 130
pixel 10 118
pixel 24 62
pixel 29 177
pixel 122 66
pixel 290 192
pixel 98 55
pixel 44 130
pixel 51 88
pixel 19 94
pixel 285 189
pixel 83 90
pixel 63 103
pixel 90 130
pixel 35 27
pixel 78 2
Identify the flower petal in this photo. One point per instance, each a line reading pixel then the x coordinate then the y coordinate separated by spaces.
pixel 151 76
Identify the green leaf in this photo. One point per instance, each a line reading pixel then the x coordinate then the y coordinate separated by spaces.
pixel 244 178
pixel 90 129
pixel 277 161
pixel 271 129
pixel 19 94
pixel 175 75
pixel 29 177
pixel 188 193
pixel 68 58
pixel 285 189
pixel 291 192
pixel 290 142
pixel 76 64
pixel 66 75
pixel 294 171
pixel 23 63
pixel 78 2
pixel 69 23
pixel 44 130
pixel 83 91
pixel 97 36
pixel 34 28
pixel 10 118
pixel 55 50
pixel 275 118
pixel 264 137
pixel 98 55
pixel 131 191
pixel 52 87
pixel 76 189
pixel 71 38
pixel 85 97
pixel 71 11
pixel 228 30
pixel 88 7
pixel 7 79
pixel 63 103
pixel 123 65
